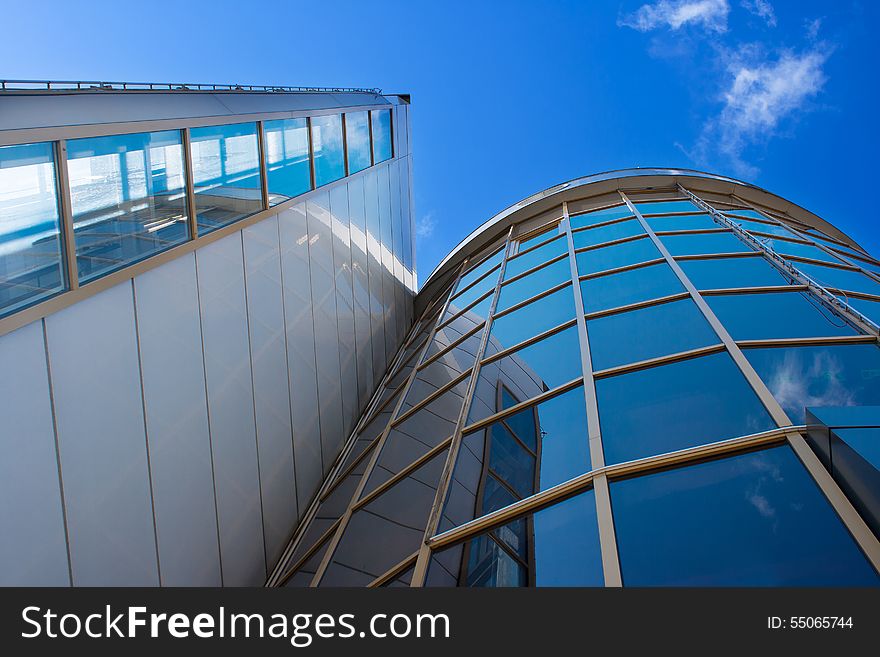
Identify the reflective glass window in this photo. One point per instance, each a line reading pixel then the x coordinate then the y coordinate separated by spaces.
pixel 675 406
pixel 30 246
pixel 525 261
pixel 755 519
pixel 749 214
pixel 723 273
pixel 636 335
pixel 479 270
pixel 226 174
pixel 684 222
pixel 698 243
pixel 535 318
pixel 870 309
pixel 471 294
pixel 776 315
pixel 599 216
pixel 381 123
pixel 664 207
pixel 842 279
pixel 128 198
pixel 865 264
pixel 825 375
pixel 757 227
pixel 528 286
pixel 630 286
pixel 287 158
pixel 327 149
pixel 357 140
pixel 476 312
pixel 616 255
pixel 607 233
pixel 537 239
pixel 784 247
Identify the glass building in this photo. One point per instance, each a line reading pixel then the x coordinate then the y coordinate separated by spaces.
pixel 639 378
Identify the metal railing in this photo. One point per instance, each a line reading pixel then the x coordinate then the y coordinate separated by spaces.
pixel 99 85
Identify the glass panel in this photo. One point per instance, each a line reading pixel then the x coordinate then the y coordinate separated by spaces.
pixel 865 264
pixel 698 243
pixel 776 315
pixel 287 158
pixel 646 333
pixel 599 216
pixel 30 245
pixel 128 198
pixel 827 375
pixel 787 248
pixel 327 148
pixel 475 313
pixel 631 286
pixel 685 222
pixel 381 120
pixel 870 309
pixel 357 140
pixel 562 549
pixel 226 174
pixel 520 263
pixel 534 318
pixel 608 233
pixel 471 294
pixel 756 519
pixel 664 207
pixel 480 270
pixel 723 273
pixel 617 255
pixel 675 406
pixel 843 279
pixel 757 227
pixel 535 283
pixel 537 239
pixel 751 214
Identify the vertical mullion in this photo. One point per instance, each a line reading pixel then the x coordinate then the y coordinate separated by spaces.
pixel 263 166
pixel 370 126
pixel 420 570
pixel 344 145
pixel 607 536
pixel 311 152
pixel 67 235
pixel 190 186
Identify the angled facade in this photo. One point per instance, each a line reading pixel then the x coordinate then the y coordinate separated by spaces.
pixel 648 377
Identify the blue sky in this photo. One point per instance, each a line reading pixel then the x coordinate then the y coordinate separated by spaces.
pixel 510 98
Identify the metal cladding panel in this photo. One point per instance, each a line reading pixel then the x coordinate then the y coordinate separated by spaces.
pixel 231 410
pixel 268 343
pixel 169 330
pixel 377 296
pixel 391 308
pixel 361 285
pixel 93 355
pixel 34 550
pixel 301 352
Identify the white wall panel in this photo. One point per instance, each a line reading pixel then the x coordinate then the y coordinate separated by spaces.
pixel 377 276
pixel 385 228
pixel 361 285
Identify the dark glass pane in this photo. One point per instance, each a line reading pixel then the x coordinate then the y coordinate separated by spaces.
pixel 628 287
pixel 30 246
pixel 381 120
pixel 722 273
pixel 287 159
pixel 843 279
pixel 599 216
pixel 698 243
pixel 617 255
pixel 535 283
pixel 537 239
pixel 787 248
pixel 357 140
pixel 510 462
pixel 520 263
pixel 663 207
pixel 684 222
pixel 827 375
pixel 327 148
pixel 602 234
pixel 776 315
pixel 756 519
pixel 675 406
pixel 535 318
pixel 646 333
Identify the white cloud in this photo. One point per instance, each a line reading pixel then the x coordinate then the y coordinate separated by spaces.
pixel 425 226
pixel 813 27
pixel 709 14
pixel 762 9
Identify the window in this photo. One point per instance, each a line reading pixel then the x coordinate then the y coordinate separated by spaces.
pixel 128 198
pixel 755 519
pixel 724 273
pixel 525 261
pixel 699 243
pixel 381 122
pixel 842 279
pixel 616 255
pixel 650 332
pixel 868 308
pixel 30 247
pixel 675 406
pixel 607 233
pixel 532 319
pixel 599 216
pixel 528 286
pixel 758 227
pixel 632 286
pixel 471 294
pixel 480 269
pixel 357 140
pixel 685 222
pixel 327 150
pixel 541 237
pixel 226 174
pixel 665 207
pixel 287 159
pixel 799 249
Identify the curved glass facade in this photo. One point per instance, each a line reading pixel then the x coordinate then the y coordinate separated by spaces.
pixel 614 395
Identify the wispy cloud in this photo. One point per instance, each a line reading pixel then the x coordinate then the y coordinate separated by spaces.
pixel 789 383
pixel 762 9
pixel 425 226
pixel 674 14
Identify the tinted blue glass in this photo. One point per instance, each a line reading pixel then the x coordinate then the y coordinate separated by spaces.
pixel 785 247
pixel 127 198
pixel 827 375
pixel 381 121
pixel 636 335
pixel 617 255
pixel 511 461
pixel 540 238
pixel 755 519
pixel 528 286
pixel 864 263
pixel 599 216
pixel 663 207
pixel 607 233
pixel 476 312
pixel 842 279
pixel 722 273
pixel 226 174
pixel 797 315
pixel 474 292
pixel 534 318
pixel 870 309
pixel 30 247
pixel 480 269
pixel 675 406
pixel 357 140
pixel 287 159
pixel 698 243
pixel 865 441
pixel 525 261
pixel 683 222
pixel 628 287
pixel 757 227
pixel 749 214
pixel 327 149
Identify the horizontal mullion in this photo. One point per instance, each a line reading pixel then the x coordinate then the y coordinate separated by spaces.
pixel 762 289
pixel 534 269
pixel 657 301
pixel 525 343
pixel 526 302
pixel 805 342
pixel 434 395
pixel 452 346
pixel 624 268
pixel 620 240
pixel 693 231
pixel 601 224
pixel 660 360
pixel 749 253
